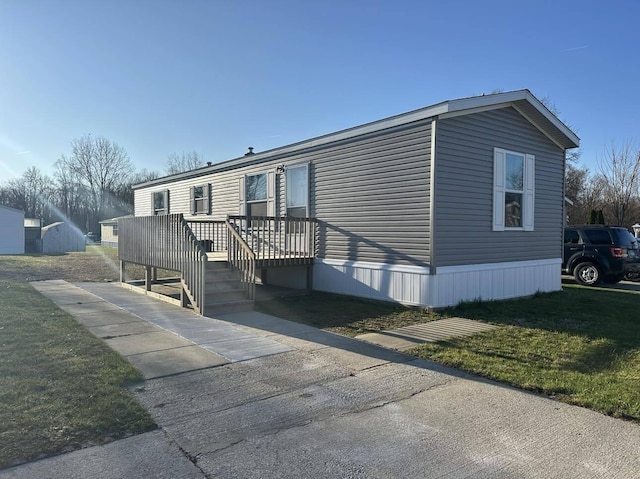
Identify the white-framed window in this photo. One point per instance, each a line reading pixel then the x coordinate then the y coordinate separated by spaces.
pixel 513 190
pixel 256 194
pixel 200 199
pixel 160 202
pixel 297 191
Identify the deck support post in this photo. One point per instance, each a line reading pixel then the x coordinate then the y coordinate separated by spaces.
pixel 123 277
pixel 310 277
pixel 148 279
pixel 184 299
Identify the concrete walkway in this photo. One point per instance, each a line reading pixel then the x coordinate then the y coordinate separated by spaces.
pixel 325 406
pixel 408 337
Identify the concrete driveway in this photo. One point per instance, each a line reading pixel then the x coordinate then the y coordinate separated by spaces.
pixel 328 406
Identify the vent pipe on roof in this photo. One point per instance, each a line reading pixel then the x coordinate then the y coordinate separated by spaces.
pixel 250 152
pixel 209 163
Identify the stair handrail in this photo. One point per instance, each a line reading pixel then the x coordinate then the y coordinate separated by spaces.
pixel 242 259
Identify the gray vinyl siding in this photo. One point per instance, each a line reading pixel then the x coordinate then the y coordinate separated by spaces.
pixel 372 200
pixel 464 190
pixel 370 194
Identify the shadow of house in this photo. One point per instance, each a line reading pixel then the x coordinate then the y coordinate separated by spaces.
pixel 62 237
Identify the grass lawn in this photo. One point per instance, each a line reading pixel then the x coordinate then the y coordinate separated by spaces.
pixel 60 387
pixel 581 345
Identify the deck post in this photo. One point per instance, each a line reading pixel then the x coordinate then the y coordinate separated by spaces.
pixel 310 277
pixel 184 299
pixel 148 277
pixel 123 277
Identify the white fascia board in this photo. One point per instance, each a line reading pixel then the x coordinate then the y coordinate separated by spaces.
pixel 462 106
pixel 478 104
pixel 372 127
pixel 553 119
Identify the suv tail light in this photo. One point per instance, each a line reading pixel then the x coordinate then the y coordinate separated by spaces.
pixel 618 252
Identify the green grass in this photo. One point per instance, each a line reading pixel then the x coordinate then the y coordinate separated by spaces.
pixel 60 387
pixel 344 314
pixel 581 345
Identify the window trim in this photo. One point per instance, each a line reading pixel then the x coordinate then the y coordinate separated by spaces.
pixel 270 199
pixel 499 190
pixel 206 199
pixel 304 166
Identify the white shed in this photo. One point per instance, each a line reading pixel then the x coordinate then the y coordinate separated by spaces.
pixel 12 231
pixel 61 238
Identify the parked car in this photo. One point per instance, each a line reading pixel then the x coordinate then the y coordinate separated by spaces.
pixel 597 253
pixel 91 238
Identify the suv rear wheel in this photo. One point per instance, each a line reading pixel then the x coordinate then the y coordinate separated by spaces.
pixel 587 274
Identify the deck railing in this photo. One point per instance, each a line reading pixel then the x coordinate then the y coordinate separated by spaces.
pixel 277 238
pixel 166 242
pixel 241 259
pixel 212 234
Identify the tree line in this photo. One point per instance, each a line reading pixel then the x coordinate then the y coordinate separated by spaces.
pixel 91 183
pixel 608 195
pixel 94 182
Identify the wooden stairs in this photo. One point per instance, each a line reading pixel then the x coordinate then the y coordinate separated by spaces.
pixel 223 290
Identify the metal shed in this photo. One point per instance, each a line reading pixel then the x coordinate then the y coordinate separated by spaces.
pixel 12 231
pixel 62 237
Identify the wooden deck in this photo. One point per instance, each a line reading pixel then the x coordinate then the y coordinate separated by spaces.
pixel 246 243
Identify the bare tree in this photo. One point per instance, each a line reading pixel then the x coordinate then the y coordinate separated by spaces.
pixel 31 193
pixel 102 166
pixel 620 173
pixel 178 163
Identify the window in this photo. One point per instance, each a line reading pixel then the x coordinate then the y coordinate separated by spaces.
pixel 200 203
pixel 256 195
pixel 571 237
pixel 115 230
pixel 160 202
pixel 297 191
pixel 513 190
pixel 598 236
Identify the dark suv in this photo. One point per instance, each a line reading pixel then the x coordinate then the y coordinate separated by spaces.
pixel 595 253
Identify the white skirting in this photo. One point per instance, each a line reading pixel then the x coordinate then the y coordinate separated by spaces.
pixel 450 285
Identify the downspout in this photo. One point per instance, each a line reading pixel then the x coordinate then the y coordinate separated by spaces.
pixel 432 184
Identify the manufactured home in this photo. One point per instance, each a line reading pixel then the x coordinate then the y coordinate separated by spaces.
pixel 109 231
pixel 457 201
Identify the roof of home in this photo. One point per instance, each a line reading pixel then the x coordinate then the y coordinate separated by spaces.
pixel 113 220
pixel 522 100
pixel 12 209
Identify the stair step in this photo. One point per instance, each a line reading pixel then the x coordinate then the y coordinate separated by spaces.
pixel 228 307
pixel 223 286
pixel 217 265
pixel 221 275
pixel 222 296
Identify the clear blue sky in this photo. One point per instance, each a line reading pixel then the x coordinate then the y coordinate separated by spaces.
pixel 159 77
